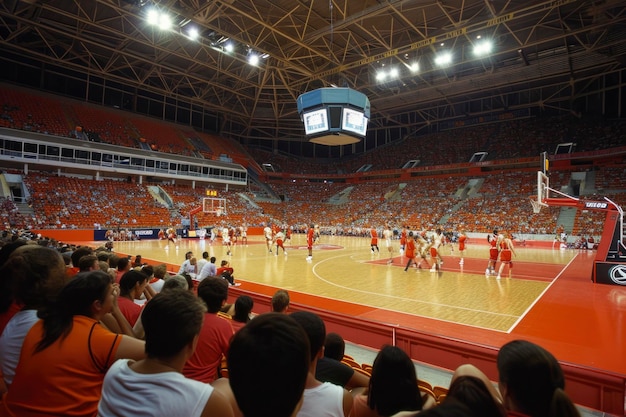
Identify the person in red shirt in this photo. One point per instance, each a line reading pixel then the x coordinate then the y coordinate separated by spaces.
pixel 310 237
pixel 410 251
pixel 215 334
pixel 494 251
pixel 374 241
pixel 462 239
pixel 132 285
pixel 226 271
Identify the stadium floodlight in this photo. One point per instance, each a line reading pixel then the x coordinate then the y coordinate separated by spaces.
pixel 381 75
pixel 483 48
pixel 153 17
pixel 229 47
pixel 193 33
pixel 414 67
pixel 253 59
pixel 165 21
pixel 444 59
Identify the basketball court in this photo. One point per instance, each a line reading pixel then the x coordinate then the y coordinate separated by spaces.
pixel 549 299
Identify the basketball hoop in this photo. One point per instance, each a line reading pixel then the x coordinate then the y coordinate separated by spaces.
pixel 536 205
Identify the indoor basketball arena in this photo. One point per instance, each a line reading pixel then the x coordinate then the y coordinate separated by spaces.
pixel 442 177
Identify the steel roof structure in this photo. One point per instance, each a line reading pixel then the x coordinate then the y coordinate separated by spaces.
pixel 546 53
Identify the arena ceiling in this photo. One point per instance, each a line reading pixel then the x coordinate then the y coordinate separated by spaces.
pixel 546 53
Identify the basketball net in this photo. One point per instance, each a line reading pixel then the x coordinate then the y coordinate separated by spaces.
pixel 535 204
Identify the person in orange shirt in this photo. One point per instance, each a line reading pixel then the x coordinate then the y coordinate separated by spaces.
pixel 310 237
pixel 70 348
pixel 410 251
pixel 506 253
pixel 462 239
pixel 374 240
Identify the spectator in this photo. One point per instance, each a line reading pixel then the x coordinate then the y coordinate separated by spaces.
pixel 208 270
pixel 158 277
pixel 88 263
pixel 123 266
pixel 155 386
pixel 392 388
pixel 226 271
pixel 215 334
pixel 330 369
pixel 132 285
pixel 186 262
pixel 280 301
pixel 69 348
pixel 201 262
pixel 320 397
pixel 138 263
pixel 75 257
pixel 242 311
pixel 273 349
pixel 532 381
pixel 175 281
pixel 476 395
pixel 36 275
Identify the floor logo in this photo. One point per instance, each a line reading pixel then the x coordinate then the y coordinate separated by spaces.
pixel 618 274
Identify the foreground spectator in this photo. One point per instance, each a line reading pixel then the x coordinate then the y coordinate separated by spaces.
pixel 331 369
pixel 273 349
pixel 320 398
pixel 532 381
pixel 155 386
pixel 36 275
pixel 392 388
pixel 280 301
pixel 215 334
pixel 69 348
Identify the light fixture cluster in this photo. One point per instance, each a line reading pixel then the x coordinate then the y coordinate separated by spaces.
pixel 168 22
pixel 444 58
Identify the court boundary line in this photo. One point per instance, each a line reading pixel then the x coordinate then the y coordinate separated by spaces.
pixel 525 313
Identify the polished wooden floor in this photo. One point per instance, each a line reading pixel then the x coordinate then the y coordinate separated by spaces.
pixel 549 299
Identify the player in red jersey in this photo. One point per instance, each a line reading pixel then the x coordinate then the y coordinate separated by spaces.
pixel 310 237
pixel 506 253
pixel 374 240
pixel 462 240
pixel 493 252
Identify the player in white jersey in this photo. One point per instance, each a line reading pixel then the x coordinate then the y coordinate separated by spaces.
pixel 387 235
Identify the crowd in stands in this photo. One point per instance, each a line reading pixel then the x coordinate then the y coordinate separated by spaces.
pixel 32 111
pixel 67 334
pixel 61 202
pixel 454 202
pixel 457 146
pixel 41 113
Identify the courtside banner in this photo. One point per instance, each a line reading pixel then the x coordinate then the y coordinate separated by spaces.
pixel 613 273
pixel 141 234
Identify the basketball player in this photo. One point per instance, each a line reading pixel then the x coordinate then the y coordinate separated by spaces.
pixel 402 240
pixel 288 231
pixel 243 230
pixel 226 239
pixel 493 252
pixel 310 237
pixel 374 240
pixel 462 239
pixel 410 252
pixel 387 234
pixel 267 232
pixel 423 248
pixel 171 235
pixel 278 240
pixel 434 250
pixel 506 253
